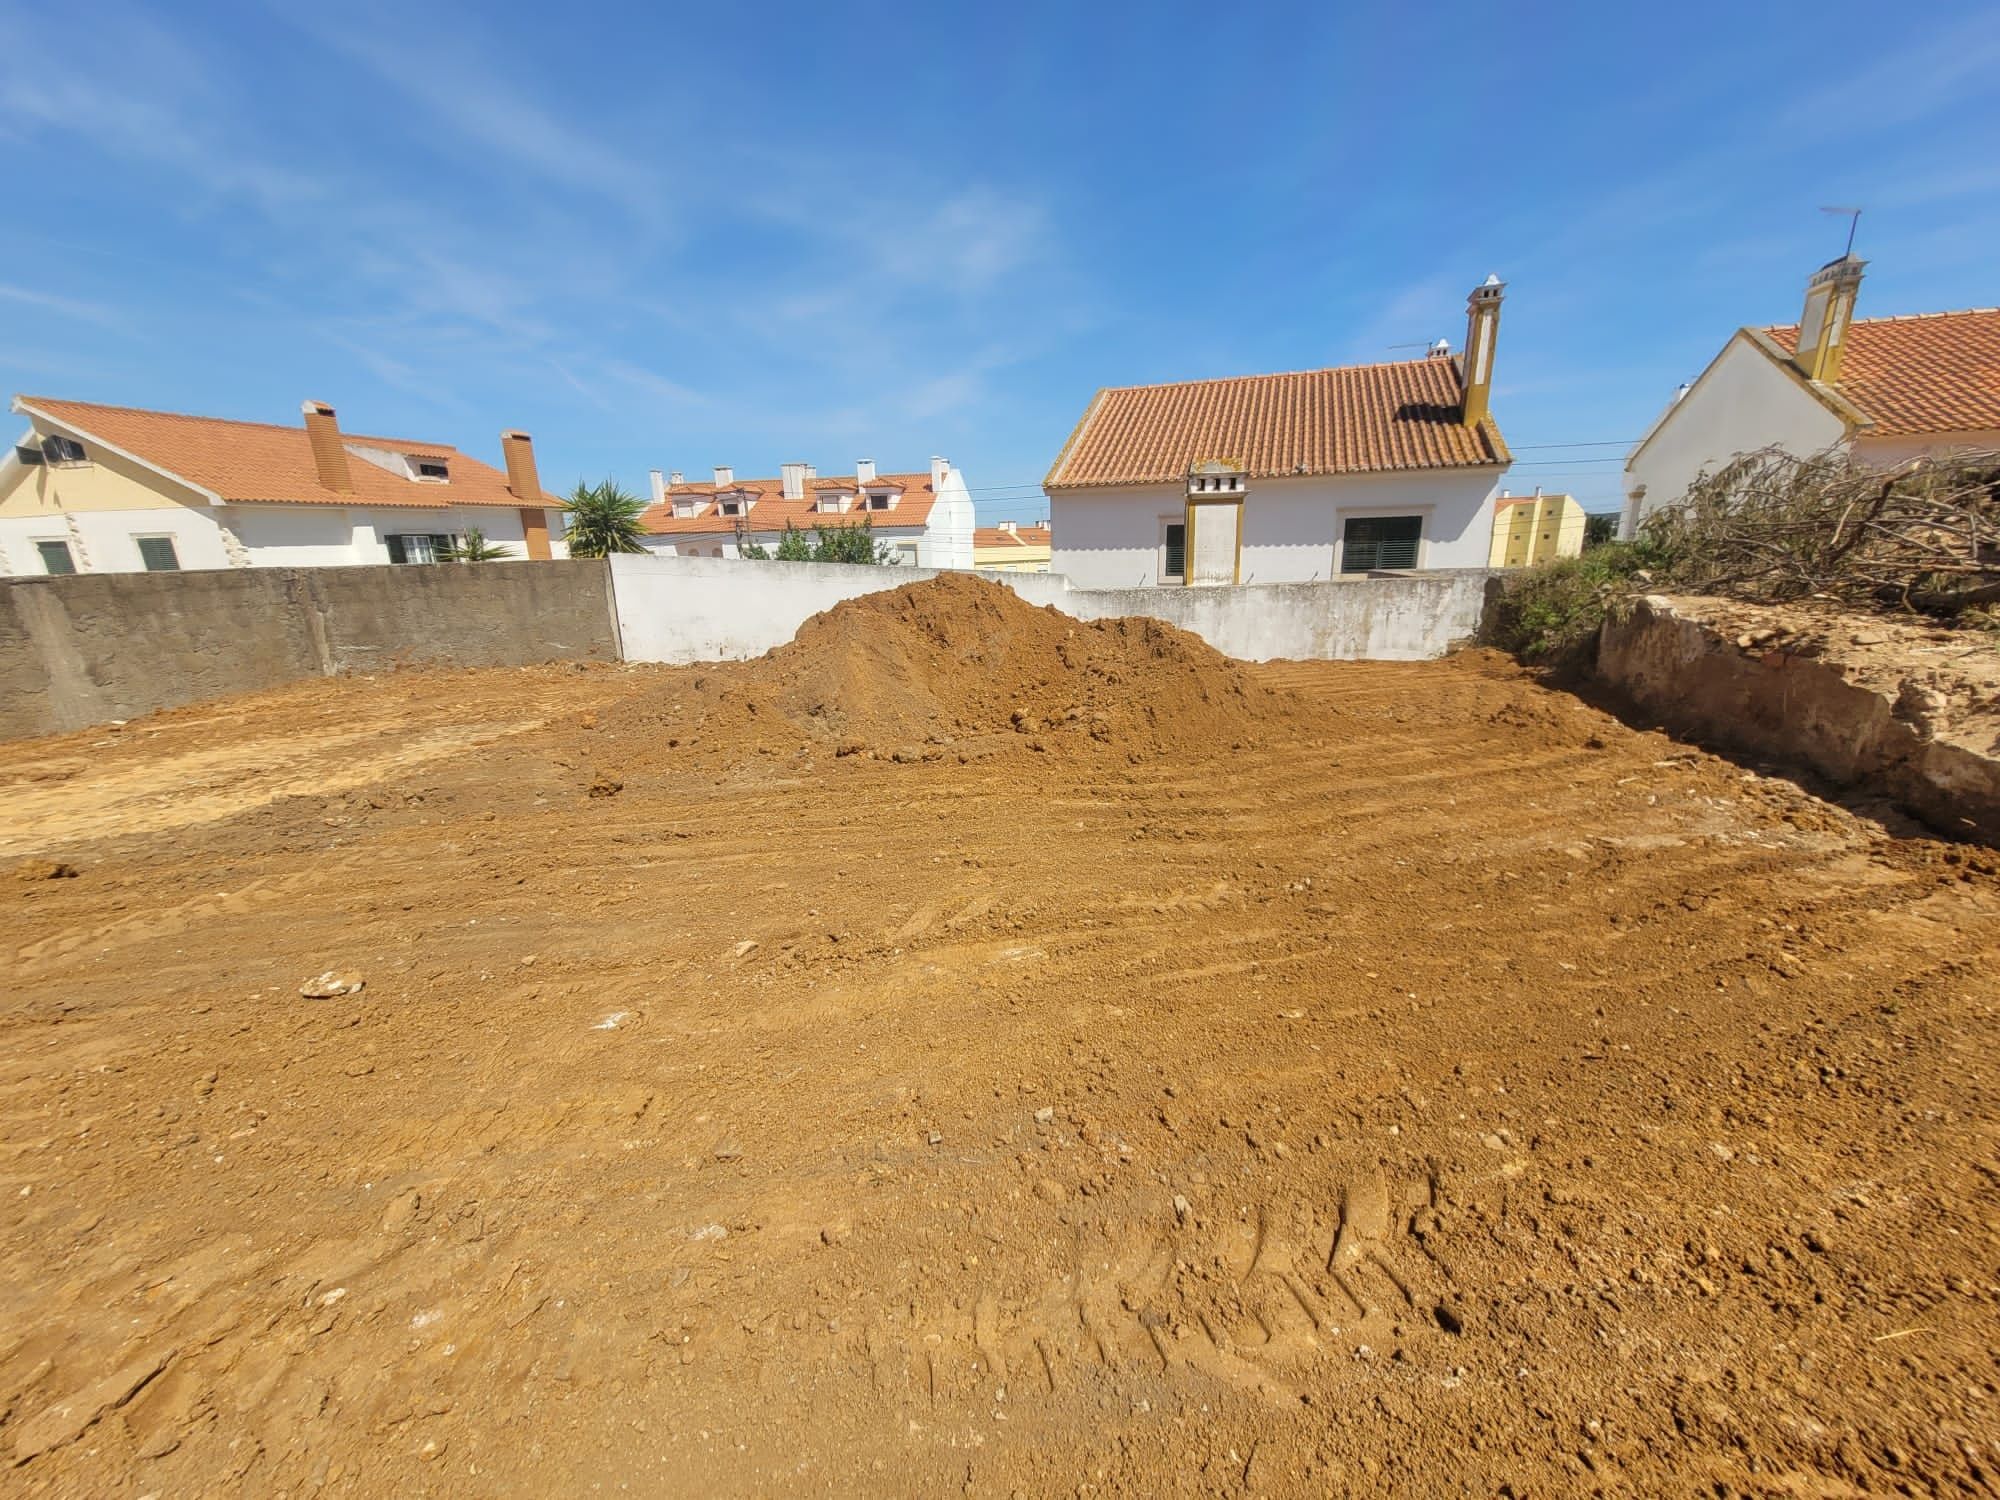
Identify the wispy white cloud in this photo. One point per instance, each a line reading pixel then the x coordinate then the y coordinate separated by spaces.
pixel 1923 77
pixel 68 307
pixel 440 70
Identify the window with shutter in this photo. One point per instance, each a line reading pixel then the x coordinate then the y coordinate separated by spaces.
pixel 1372 543
pixel 157 553
pixel 55 557
pixel 1174 570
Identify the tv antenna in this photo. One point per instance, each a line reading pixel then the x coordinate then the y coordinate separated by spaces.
pixel 1853 222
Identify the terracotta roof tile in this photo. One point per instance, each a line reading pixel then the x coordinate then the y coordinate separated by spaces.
pixel 1355 419
pixel 1026 536
pixel 260 461
pixel 769 510
pixel 1931 372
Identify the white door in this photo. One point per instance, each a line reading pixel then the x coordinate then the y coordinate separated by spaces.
pixel 1212 558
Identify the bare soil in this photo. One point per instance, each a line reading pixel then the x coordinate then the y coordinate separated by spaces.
pixel 971 1051
pixel 1944 679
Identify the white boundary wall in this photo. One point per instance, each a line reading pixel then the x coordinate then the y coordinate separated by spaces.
pixel 693 609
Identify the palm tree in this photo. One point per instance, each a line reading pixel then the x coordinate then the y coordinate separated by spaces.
pixel 476 549
pixel 601 519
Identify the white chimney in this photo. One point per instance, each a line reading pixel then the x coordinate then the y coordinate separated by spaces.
pixel 792 480
pixel 864 471
pixel 939 468
pixel 724 476
pixel 1008 526
pixel 677 477
pixel 659 487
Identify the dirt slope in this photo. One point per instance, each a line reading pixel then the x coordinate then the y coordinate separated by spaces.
pixel 1448 1091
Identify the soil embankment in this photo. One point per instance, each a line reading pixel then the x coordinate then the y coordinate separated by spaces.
pixel 1900 710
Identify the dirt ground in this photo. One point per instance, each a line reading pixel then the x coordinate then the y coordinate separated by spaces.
pixel 972 1052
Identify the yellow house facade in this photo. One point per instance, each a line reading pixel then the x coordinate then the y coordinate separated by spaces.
pixel 1010 548
pixel 1535 528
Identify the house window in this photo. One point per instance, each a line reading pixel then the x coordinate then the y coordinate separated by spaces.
pixel 419 547
pixel 157 553
pixel 55 557
pixel 878 502
pixel 1377 542
pixel 1173 566
pixel 61 450
pixel 731 508
pixel 435 469
pixel 906 554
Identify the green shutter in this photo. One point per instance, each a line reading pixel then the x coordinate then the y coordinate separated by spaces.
pixel 1379 542
pixel 157 553
pixel 55 557
pixel 1177 550
pixel 396 553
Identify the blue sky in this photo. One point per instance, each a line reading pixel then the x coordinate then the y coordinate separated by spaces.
pixel 676 236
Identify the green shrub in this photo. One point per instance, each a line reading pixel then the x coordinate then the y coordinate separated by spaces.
pixel 1550 612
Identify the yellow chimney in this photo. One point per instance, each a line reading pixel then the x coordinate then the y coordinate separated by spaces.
pixel 1823 325
pixel 1482 326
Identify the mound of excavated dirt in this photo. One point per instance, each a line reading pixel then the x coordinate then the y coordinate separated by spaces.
pixel 958 666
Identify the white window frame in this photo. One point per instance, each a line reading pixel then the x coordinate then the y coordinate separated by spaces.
pixel 1160 574
pixel 69 550
pixel 1424 513
pixel 173 546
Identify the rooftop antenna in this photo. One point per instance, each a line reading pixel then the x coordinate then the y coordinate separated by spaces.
pixel 1853 222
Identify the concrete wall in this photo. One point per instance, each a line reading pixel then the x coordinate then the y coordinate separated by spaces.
pixel 1292 528
pixel 78 651
pixel 690 609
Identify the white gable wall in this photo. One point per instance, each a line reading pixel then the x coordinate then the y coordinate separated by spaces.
pixel 1742 402
pixel 1113 538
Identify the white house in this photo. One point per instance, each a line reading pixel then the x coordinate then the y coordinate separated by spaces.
pixel 1286 478
pixel 1883 389
pixel 114 489
pixel 925 519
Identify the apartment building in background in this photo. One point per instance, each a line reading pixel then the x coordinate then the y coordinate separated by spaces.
pixel 924 519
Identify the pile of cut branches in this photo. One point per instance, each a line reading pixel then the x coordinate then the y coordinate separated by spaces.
pixel 1770 527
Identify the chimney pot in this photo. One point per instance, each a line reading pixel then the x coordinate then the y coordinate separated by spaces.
pixel 518 449
pixel 329 453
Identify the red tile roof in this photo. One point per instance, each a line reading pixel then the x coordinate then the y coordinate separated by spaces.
pixel 1356 419
pixel 1931 372
pixel 259 461
pixel 1026 536
pixel 769 509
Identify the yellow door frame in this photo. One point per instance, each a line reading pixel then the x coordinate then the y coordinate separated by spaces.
pixel 1236 503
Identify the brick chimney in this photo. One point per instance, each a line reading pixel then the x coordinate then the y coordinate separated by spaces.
pixel 519 450
pixel 329 456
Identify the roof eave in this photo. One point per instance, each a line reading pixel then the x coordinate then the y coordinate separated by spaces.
pixel 30 409
pixel 1857 420
pixel 1504 461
